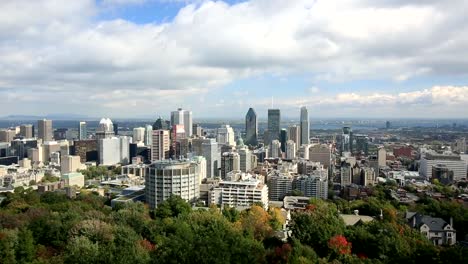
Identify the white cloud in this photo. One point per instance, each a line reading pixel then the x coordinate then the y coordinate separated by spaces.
pixel 61 48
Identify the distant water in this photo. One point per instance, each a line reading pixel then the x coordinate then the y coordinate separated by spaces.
pixel 125 125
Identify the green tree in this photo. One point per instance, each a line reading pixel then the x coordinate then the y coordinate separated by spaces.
pixel 316 225
pixel 25 249
pixel 81 250
pixel 173 206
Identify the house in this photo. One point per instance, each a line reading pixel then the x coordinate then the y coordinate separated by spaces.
pixel 354 219
pixel 434 228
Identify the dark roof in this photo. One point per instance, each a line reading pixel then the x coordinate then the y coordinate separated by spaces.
pixel 434 223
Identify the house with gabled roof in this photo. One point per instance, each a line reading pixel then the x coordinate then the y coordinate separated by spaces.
pixel 435 229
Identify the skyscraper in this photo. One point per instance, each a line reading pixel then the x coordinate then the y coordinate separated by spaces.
pixel 225 135
pixel 305 126
pixel 251 127
pixel 27 131
pixel 161 124
pixel 294 135
pixel 45 130
pixel 283 139
pixel 161 145
pixel 82 131
pixel 230 161
pixel 138 135
pixel 183 117
pixel 105 129
pixel 212 156
pixel 148 135
pixel 274 124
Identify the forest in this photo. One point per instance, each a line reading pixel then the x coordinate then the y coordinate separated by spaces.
pixel 51 228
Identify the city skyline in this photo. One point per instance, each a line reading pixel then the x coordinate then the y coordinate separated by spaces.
pixel 339 59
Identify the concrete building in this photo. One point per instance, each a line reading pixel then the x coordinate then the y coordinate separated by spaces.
pixel 83 131
pixel 303 152
pixel 70 164
pixel 172 177
pixel 279 186
pixel 73 179
pixel 197 130
pixel 201 167
pixel 241 191
pixel 183 117
pixel 139 135
pixel 114 150
pixel 148 135
pixel 275 149
pixel 210 152
pixel 460 145
pixel 442 173
pixel 314 185
pixel 347 140
pixel 27 131
pixel 290 150
pixel 245 159
pixel 294 134
pixel 452 162
pixel 251 128
pixel 305 126
pixel 382 156
pixel 7 135
pixel 86 149
pixel 161 145
pixel 274 125
pixel 321 153
pixel 230 161
pixel 225 135
pixel 44 128
pixel 105 129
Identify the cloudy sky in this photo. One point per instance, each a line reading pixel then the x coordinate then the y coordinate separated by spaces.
pixel 143 58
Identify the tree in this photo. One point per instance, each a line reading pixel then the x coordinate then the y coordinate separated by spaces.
pixel 81 250
pixel 231 213
pixel 25 249
pixel 173 206
pixel 256 221
pixel 316 225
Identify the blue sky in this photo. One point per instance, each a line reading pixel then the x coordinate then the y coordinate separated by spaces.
pixel 143 58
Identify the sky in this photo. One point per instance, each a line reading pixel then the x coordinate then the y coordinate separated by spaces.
pixel 145 58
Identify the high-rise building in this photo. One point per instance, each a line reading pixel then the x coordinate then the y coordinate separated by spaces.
pixel 7 135
pixel 251 128
pixel 242 190
pixel 87 150
pixel 361 143
pixel 294 134
pixel 225 135
pixel 161 145
pixel 83 131
pixel 197 130
pixel 105 129
pixel 279 185
pixel 183 117
pixel 274 125
pixel 305 126
pixel 460 145
pixel 45 130
pixel 453 163
pixel 61 133
pixel 210 152
pixel 148 135
pixel 138 135
pixel 161 124
pixel 70 164
pixel 275 149
pixel 116 128
pixel 290 149
pixel 312 185
pixel 245 159
pixel 283 139
pixel 172 177
pixel 382 157
pixel 230 161
pixel 27 131
pixel 321 153
pixel 20 147
pixel 346 140
pixel 114 150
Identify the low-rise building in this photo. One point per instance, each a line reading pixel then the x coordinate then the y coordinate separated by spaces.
pixel 436 229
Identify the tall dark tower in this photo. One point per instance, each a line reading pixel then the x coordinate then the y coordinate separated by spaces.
pixel 274 125
pixel 305 126
pixel 251 127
